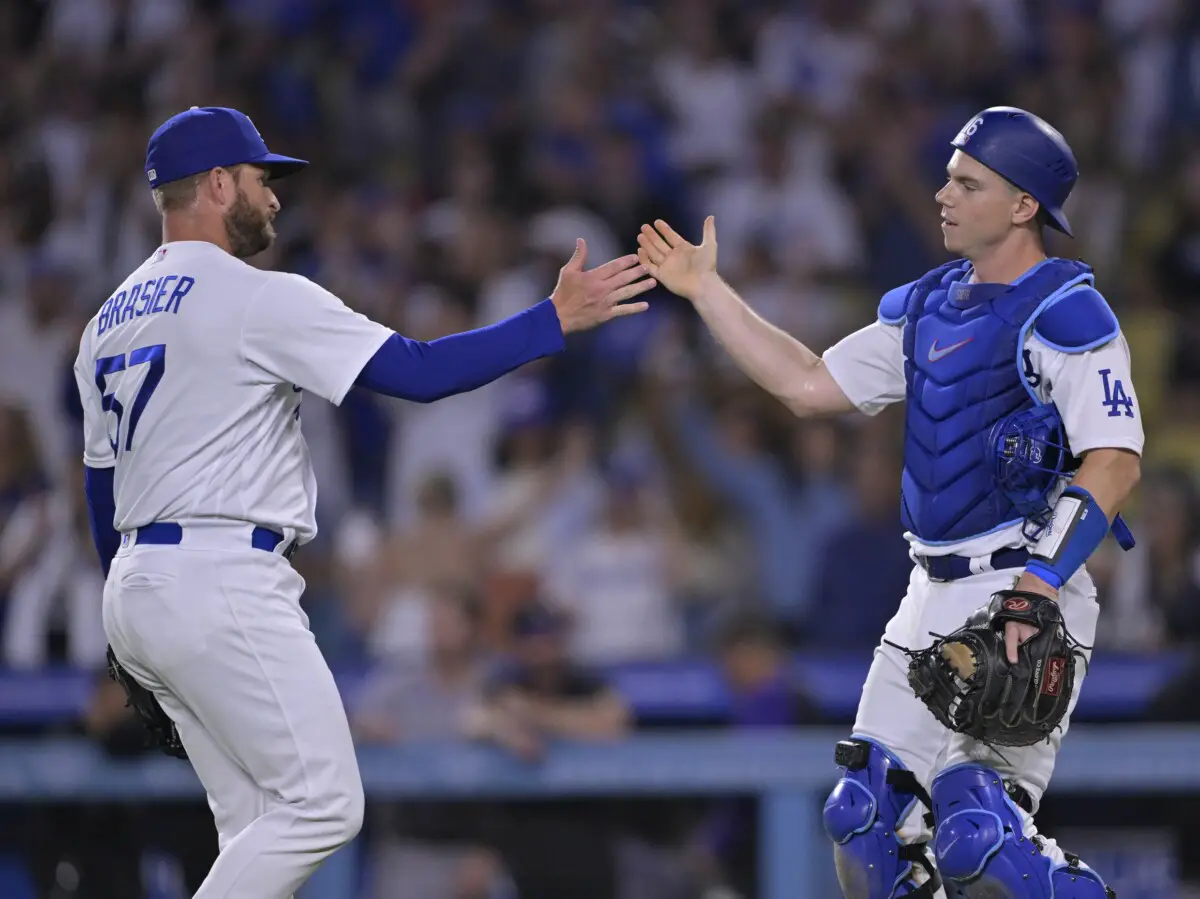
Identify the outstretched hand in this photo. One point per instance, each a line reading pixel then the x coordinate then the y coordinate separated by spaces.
pixel 1018 632
pixel 678 265
pixel 585 299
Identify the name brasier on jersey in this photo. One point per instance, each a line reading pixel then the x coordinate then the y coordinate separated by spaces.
pixel 162 294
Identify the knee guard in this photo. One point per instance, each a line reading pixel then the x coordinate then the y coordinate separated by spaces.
pixel 861 816
pixel 981 849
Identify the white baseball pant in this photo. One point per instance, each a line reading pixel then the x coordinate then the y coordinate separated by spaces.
pixel 214 628
pixel 890 713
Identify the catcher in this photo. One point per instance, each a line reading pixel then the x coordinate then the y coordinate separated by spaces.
pixel 1023 440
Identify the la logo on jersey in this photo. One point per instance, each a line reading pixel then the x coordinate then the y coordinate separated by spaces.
pixel 1115 397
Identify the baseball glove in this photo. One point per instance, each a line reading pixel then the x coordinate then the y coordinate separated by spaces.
pixel 968 683
pixel 162 729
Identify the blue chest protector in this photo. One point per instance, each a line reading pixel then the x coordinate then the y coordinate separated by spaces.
pixel 965 371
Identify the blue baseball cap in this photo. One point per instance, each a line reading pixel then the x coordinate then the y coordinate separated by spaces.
pixel 209 137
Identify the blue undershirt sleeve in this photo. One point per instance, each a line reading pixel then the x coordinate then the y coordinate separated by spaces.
pixel 102 509
pixel 426 371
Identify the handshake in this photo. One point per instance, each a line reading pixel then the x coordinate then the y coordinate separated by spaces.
pixel 585 299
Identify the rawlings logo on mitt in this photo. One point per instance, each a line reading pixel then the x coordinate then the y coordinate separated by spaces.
pixel 966 680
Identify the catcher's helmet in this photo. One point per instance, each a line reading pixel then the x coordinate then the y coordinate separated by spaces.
pixel 1028 152
pixel 1029 454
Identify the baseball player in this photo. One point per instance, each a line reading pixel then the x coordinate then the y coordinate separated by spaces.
pixel 1003 337
pixel 192 376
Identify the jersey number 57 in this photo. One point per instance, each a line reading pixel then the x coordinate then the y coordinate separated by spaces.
pixel 153 356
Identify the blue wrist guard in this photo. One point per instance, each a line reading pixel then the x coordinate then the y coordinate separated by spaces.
pixel 1078 527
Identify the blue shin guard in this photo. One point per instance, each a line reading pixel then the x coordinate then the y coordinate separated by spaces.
pixel 981 849
pixel 861 816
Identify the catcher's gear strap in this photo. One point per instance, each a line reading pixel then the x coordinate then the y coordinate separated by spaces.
pixel 1018 794
pixel 1078 526
pixel 862 815
pixel 981 847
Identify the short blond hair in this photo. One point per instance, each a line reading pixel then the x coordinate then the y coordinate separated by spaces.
pixel 179 194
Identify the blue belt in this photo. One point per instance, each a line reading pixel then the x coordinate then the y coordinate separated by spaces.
pixel 168 533
pixel 953 568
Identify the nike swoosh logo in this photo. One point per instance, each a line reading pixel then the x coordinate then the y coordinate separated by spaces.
pixel 936 352
pixel 943 851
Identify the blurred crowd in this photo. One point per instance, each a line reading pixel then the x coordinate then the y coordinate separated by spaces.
pixel 460 146
pixel 634 499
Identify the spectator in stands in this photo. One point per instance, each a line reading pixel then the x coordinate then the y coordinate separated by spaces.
pixel 787 513
pixel 546 493
pixel 800 215
pixel 1153 600
pixel 24 498
pixel 404 701
pixel 714 578
pixel 38 336
pixel 892 188
pixel 391 578
pixel 538 509
pixel 1177 271
pixel 55 600
pixel 619 582
pixel 764 690
pixel 764 694
pixel 429 850
pixel 711 94
pixel 561 848
pixel 624 194
pixel 865 565
pixel 542 695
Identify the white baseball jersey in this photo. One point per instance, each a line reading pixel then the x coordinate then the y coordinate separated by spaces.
pixel 1093 392
pixel 191 377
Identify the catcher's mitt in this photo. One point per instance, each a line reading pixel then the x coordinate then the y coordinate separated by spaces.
pixel 162 729
pixel 968 683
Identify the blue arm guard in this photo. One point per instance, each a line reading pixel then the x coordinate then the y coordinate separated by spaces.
pixel 424 372
pixel 102 509
pixel 1078 527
